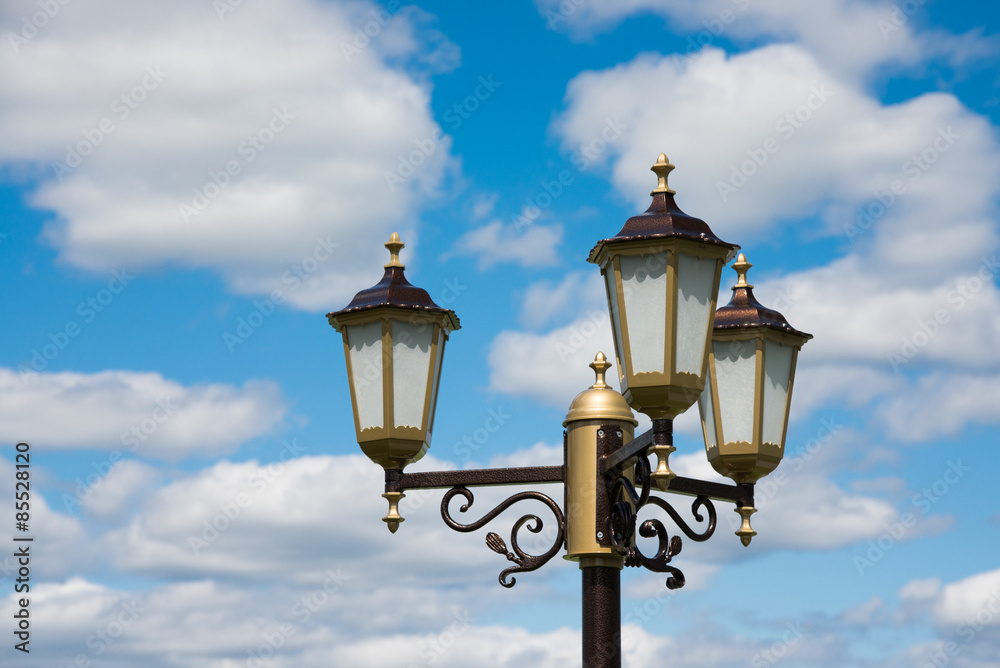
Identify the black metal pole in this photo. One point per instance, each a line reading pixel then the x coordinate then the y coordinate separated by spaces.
pixel 602 611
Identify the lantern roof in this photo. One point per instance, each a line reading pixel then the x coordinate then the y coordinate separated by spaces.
pixel 744 311
pixel 663 219
pixel 395 291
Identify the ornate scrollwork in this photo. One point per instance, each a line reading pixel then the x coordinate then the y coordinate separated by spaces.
pixel 627 499
pixel 524 562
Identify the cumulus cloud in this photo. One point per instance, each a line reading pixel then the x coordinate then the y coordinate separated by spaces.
pixel 495 242
pixel 855 36
pixel 253 142
pixel 551 367
pixel 142 413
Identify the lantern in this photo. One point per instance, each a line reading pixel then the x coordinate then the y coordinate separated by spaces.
pixel 394 337
pixel 662 273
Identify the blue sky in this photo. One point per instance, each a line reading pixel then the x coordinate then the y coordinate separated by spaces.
pixel 187 188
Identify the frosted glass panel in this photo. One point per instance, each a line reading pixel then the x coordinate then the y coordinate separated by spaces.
pixel 411 362
pixel 707 411
pixel 735 367
pixel 365 344
pixel 435 381
pixel 695 289
pixel 644 286
pixel 609 278
pixel 777 373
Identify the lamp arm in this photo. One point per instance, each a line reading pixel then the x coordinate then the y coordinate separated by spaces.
pixel 397 481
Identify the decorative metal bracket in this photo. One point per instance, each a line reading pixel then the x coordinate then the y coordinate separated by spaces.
pixel 459 481
pixel 629 494
pixel 524 562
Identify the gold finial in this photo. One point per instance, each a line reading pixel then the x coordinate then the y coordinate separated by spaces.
pixel 600 365
pixel 742 267
pixel 745 532
pixel 395 245
pixel 393 518
pixel 662 168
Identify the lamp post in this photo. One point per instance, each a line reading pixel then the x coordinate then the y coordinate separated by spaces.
pixel 662 273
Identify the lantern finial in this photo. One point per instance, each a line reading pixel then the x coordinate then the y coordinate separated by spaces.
pixel 600 365
pixel 395 245
pixel 662 168
pixel 742 267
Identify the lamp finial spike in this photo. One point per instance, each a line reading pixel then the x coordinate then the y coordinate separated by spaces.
pixel 662 168
pixel 742 267
pixel 600 365
pixel 394 245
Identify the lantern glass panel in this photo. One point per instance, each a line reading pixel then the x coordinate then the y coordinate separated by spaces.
pixel 644 285
pixel 411 364
pixel 708 415
pixel 777 374
pixel 616 317
pixel 435 380
pixel 735 372
pixel 365 344
pixel 695 288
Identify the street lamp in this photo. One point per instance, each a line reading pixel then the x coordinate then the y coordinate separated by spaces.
pixel 662 273
pixel 394 337
pixel 744 407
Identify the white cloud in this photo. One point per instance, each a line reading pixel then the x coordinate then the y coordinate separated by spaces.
pixel 830 148
pixel 313 132
pixel 962 601
pixel 552 367
pixel 271 522
pixel 546 301
pixel 143 413
pixel 123 485
pixel 941 405
pixel 854 36
pixel 495 242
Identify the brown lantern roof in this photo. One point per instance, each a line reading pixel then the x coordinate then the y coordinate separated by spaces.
pixel 663 218
pixel 394 290
pixel 743 310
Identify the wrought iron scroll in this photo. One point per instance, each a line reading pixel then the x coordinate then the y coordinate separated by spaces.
pixel 627 499
pixel 524 562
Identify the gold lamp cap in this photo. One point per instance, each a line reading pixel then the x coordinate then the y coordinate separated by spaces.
pixel 600 401
pixel 742 267
pixel 662 169
pixel 395 245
